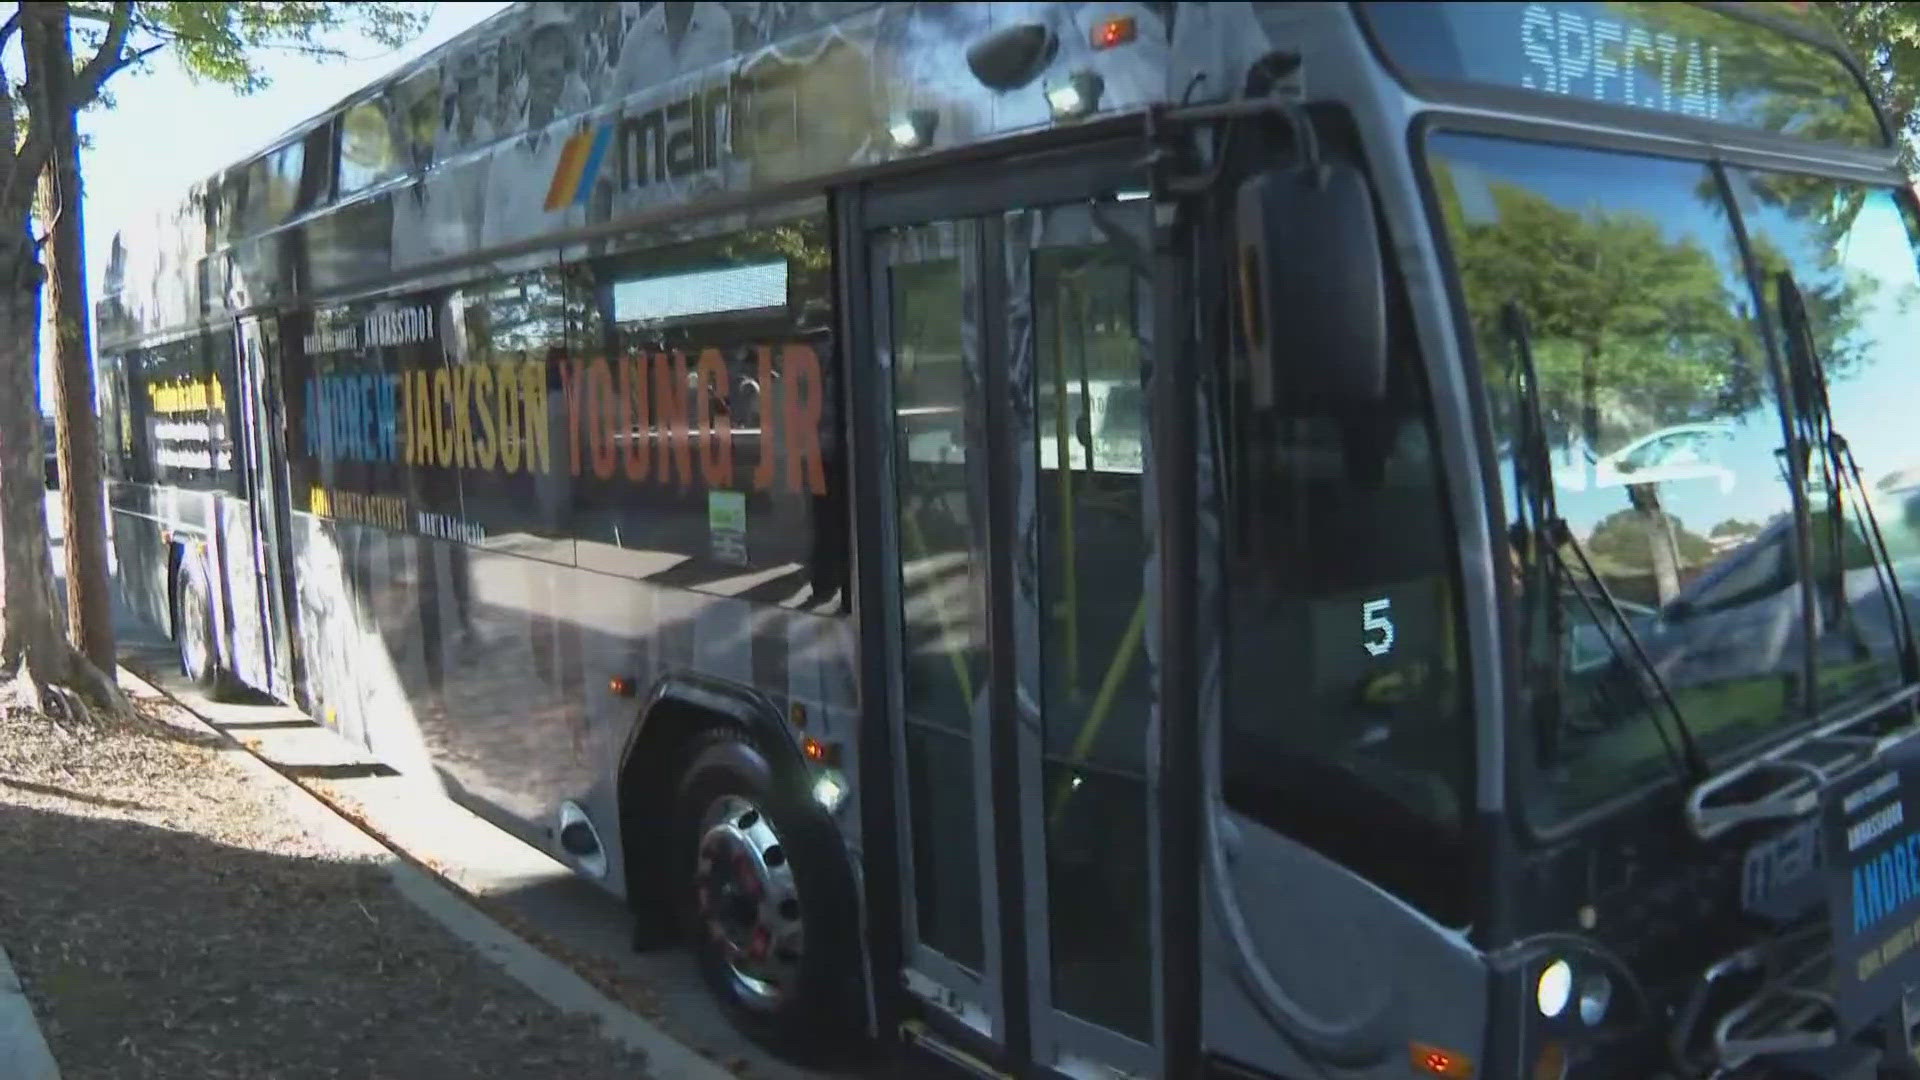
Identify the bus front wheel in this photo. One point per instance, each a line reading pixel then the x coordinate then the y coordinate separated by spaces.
pixel 763 901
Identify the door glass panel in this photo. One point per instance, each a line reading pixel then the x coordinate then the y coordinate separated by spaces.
pixel 1090 309
pixel 943 571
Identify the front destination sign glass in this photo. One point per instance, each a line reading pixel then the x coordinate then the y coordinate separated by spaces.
pixel 1676 59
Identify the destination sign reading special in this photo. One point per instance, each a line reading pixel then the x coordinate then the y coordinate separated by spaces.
pixel 1664 58
pixel 1619 63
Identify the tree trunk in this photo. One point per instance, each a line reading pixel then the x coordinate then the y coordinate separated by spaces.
pixel 31 642
pixel 1662 546
pixel 89 602
pixel 29 631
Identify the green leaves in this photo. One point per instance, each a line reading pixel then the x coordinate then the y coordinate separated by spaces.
pixel 1886 39
pixel 222 42
pixel 1618 309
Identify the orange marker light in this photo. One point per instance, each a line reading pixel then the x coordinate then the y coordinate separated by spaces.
pixel 620 686
pixel 1113 32
pixel 814 749
pixel 1552 1062
pixel 1433 1061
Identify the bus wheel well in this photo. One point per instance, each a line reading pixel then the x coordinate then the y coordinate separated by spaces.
pixel 176 555
pixel 668 734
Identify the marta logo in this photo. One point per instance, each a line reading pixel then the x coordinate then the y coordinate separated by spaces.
pixel 580 162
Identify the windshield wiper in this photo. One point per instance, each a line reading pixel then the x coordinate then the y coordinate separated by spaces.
pixel 1813 423
pixel 1540 530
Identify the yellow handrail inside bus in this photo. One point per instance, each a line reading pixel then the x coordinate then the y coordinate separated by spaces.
pixel 1117 670
pixel 911 528
pixel 1063 464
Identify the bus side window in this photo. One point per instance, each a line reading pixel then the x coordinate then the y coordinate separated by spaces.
pixel 223 412
pixel 704 380
pixel 139 413
pixel 111 379
pixel 1346 727
pixel 368 151
pixel 508 336
pixel 172 397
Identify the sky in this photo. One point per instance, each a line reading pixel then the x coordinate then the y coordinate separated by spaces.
pixel 166 132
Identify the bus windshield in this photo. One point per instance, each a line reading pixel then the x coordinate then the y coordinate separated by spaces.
pixel 1677 59
pixel 1668 437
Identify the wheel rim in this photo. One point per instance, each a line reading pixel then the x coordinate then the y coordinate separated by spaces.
pixel 193 632
pixel 748 901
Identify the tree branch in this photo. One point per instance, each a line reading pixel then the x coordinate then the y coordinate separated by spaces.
pixel 135 57
pixel 170 36
pixel 106 61
pixel 44 238
pixel 32 156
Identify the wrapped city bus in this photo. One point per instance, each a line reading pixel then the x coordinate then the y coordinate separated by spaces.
pixel 1075 539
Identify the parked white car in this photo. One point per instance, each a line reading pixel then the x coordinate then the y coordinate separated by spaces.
pixel 1677 453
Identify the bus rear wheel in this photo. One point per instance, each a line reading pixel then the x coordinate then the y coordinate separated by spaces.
pixel 193 633
pixel 761 901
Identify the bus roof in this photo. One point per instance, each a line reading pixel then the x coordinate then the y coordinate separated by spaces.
pixel 553 122
pixel 553 117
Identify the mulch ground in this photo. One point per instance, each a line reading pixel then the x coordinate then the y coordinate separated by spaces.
pixel 169 918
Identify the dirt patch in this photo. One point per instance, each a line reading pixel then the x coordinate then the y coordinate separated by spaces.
pixel 169 918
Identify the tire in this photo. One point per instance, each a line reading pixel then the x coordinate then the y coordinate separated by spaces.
pixel 783 962
pixel 193 633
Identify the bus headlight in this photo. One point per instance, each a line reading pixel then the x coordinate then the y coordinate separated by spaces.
pixel 829 790
pixel 1554 988
pixel 1596 994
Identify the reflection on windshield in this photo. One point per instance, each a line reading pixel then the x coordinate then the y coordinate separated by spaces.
pixel 1665 445
pixel 1847 248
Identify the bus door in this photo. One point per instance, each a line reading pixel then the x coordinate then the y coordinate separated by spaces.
pixel 265 558
pixel 1007 428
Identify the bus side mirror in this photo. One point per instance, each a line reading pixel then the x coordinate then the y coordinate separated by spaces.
pixel 1312 289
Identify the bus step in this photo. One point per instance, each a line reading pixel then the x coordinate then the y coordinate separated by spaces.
pixel 917 1036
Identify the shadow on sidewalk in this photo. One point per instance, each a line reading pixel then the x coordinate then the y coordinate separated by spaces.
pixel 76 796
pixel 155 952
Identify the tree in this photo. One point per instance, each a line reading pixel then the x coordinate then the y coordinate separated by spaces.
pixel 46 42
pixel 1885 36
pixel 1807 94
pixel 216 41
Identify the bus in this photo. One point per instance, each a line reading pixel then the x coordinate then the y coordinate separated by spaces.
pixel 1100 539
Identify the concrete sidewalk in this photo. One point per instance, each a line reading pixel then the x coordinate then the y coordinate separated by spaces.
pixel 475 879
pixel 519 887
pixel 23 1050
pixel 553 981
